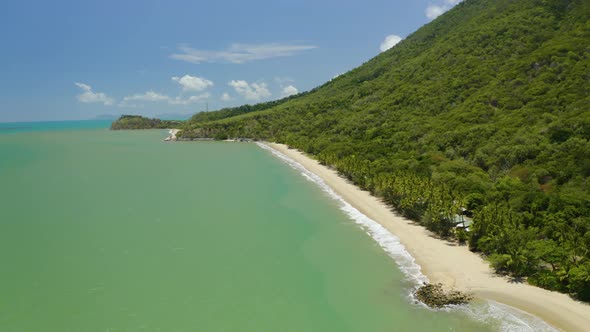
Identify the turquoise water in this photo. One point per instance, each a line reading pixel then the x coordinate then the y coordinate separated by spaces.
pixel 13 127
pixel 120 231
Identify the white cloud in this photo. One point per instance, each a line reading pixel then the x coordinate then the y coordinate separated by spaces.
pixel 389 42
pixel 151 96
pixel 189 100
pixel 148 96
pixel 192 83
pixel 250 91
pixel 289 91
pixel 286 85
pixel 225 96
pixel 187 82
pixel 89 96
pixel 435 10
pixel 240 53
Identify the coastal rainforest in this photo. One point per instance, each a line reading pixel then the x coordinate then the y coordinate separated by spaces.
pixel 483 113
pixel 139 122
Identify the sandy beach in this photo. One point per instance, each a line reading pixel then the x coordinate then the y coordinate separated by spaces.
pixel 172 135
pixel 452 265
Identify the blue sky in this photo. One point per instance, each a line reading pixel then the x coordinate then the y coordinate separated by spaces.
pixel 82 59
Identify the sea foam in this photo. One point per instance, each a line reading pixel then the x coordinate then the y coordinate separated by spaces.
pixel 506 318
pixel 389 242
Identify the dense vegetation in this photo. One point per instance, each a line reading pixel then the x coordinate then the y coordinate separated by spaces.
pixel 234 111
pixel 485 112
pixel 140 122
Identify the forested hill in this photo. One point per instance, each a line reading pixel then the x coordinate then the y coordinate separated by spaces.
pixel 487 109
pixel 235 111
pixel 140 122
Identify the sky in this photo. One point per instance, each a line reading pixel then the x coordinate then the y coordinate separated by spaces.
pixel 73 60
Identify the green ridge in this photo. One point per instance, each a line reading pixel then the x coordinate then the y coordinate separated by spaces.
pixel 140 122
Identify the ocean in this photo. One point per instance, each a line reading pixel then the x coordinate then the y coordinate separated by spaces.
pixel 119 231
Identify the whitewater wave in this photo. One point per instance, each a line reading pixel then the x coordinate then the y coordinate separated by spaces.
pixel 506 318
pixel 389 242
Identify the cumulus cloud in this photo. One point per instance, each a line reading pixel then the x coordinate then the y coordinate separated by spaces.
pixel 192 83
pixel 187 82
pixel 389 42
pixel 289 90
pixel 151 96
pixel 435 10
pixel 239 53
pixel 286 86
pixel 225 96
pixel 189 100
pixel 89 96
pixel 148 96
pixel 250 91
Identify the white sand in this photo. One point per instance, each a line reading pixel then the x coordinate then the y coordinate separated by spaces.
pixel 454 266
pixel 172 135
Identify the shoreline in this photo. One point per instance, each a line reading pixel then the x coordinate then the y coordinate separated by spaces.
pixel 171 135
pixel 448 263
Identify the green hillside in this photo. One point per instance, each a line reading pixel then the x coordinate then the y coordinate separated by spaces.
pixel 483 112
pixel 139 122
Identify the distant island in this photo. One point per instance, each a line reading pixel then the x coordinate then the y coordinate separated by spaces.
pixel 126 122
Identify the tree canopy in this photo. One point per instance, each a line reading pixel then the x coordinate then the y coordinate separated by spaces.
pixel 140 122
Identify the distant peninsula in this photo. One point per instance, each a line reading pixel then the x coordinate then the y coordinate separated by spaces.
pixel 126 122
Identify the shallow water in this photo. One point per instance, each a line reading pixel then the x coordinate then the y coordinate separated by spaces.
pixel 119 231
